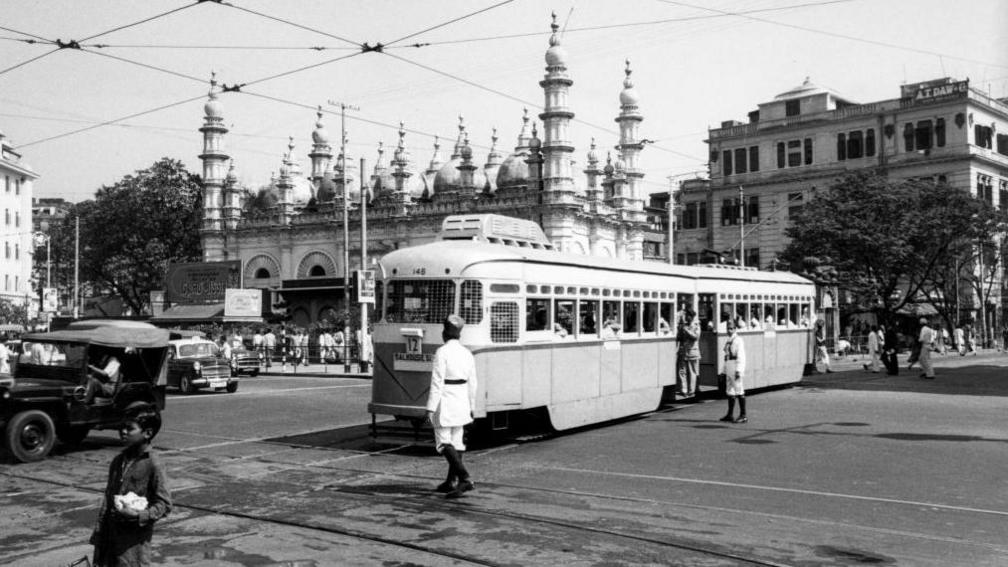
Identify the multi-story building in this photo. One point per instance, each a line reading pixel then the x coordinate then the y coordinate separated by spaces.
pixel 48 211
pixel 808 137
pixel 293 244
pixel 16 230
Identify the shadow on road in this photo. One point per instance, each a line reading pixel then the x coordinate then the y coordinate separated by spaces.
pixel 971 380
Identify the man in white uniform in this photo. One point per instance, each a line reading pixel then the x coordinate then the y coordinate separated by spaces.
pixel 734 368
pixel 449 404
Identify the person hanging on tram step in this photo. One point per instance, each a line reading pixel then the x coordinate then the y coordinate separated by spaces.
pixel 734 369
pixel 450 404
pixel 689 353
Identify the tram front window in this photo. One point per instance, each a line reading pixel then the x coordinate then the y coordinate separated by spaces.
pixel 420 301
pixel 588 317
pixel 705 311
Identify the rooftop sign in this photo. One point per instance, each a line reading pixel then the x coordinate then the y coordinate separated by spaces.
pixel 933 91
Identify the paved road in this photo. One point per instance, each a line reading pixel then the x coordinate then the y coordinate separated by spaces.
pixel 849 468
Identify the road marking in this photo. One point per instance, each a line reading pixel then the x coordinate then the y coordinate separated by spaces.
pixel 781 489
pixel 236 441
pixel 180 398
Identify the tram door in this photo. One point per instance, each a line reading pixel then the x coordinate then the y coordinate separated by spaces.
pixel 709 351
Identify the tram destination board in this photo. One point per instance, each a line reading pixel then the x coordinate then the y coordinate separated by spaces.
pixel 413 361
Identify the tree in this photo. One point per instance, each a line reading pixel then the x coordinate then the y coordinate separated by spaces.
pixel 13 313
pixel 132 230
pixel 886 242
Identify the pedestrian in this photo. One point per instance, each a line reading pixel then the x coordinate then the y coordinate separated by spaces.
pixel 366 349
pixel 450 403
pixel 4 356
pixel 1004 338
pixel 258 345
pixel 822 355
pixel 338 343
pixel 943 339
pixel 269 345
pixel 971 340
pixel 122 534
pixel 890 346
pixel 689 353
pixel 734 370
pixel 225 348
pixel 926 339
pixel 874 345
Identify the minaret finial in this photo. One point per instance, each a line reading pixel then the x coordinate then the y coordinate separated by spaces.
pixel 627 83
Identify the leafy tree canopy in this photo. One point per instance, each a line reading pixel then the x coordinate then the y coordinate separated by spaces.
pixel 883 240
pixel 133 229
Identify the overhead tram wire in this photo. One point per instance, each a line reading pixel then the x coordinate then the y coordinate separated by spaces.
pixel 288 22
pixel 19 32
pixel 235 47
pixel 531 104
pixel 145 65
pixel 622 25
pixel 108 122
pixel 449 22
pixel 23 63
pixel 143 21
pixel 838 35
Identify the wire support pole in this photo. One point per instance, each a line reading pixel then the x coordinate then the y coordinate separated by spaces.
pixel 742 214
pixel 346 233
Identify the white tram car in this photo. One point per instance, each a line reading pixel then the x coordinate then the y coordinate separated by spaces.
pixel 588 339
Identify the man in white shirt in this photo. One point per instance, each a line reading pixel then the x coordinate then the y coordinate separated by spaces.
pixel 874 345
pixel 450 403
pixel 734 369
pixel 269 345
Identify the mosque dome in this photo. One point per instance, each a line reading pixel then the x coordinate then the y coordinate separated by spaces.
pixel 448 177
pixel 326 190
pixel 416 186
pixel 383 183
pixel 556 55
pixel 213 107
pixel 320 136
pixel 514 171
pixel 301 192
pixel 628 96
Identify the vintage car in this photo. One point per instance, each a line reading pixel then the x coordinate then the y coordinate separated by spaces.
pixel 44 399
pixel 195 363
pixel 244 361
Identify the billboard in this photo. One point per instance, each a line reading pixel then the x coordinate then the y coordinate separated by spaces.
pixel 366 286
pixel 243 302
pixel 200 283
pixel 50 300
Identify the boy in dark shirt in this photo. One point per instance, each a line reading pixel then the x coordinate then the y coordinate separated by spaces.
pixel 122 536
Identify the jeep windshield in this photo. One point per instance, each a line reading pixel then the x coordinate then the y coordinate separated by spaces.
pixel 193 350
pixel 69 355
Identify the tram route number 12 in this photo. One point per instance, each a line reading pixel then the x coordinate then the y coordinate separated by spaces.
pixel 414 345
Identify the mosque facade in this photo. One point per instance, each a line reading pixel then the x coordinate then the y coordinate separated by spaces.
pixel 289 238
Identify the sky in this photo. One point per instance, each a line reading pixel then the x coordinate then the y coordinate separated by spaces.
pixel 84 118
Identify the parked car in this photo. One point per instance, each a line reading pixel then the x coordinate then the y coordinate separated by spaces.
pixel 244 362
pixel 196 363
pixel 44 400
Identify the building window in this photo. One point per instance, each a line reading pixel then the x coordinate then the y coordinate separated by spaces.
pixel 692 258
pixel 780 154
pixel 753 210
pixel 940 132
pixel 17 251
pixel 841 147
pixel 6 282
pixel 983 136
pixel 17 186
pixel 792 108
pixel 796 201
pixel 855 145
pixel 808 151
pixel 7 182
pixel 922 137
pixel 695 215
pixel 869 142
pixel 740 160
pixel 1003 196
pixel 7 216
pixel 754 157
pixel 985 188
pixel 1002 144
pixel 726 163
pixel 729 212
pixel 794 158
pixel 752 257
pixel 7 250
pixel 17 218
pixel 908 137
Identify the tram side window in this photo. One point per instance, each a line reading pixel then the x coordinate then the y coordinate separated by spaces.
pixel 631 317
pixel 782 315
pixel 793 313
pixel 537 314
pixel 650 317
pixel 588 317
pixel 471 302
pixel 667 317
pixel 756 316
pixel 504 322
pixel 610 318
pixel 684 300
pixel 705 311
pixel 420 301
pixel 768 315
pixel 741 315
pixel 563 317
pixel 727 314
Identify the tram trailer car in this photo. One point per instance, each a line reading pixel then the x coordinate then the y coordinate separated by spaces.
pixel 586 338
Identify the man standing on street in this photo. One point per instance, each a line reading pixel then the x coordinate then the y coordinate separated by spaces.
pixel 449 404
pixel 890 346
pixel 269 345
pixel 926 339
pixel 689 353
pixel 734 369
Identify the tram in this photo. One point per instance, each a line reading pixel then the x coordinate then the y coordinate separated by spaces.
pixel 586 339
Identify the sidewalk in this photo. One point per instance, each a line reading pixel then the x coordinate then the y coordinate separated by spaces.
pixel 857 361
pixel 314 370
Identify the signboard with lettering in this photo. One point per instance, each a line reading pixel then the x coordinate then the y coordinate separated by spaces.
pixel 50 300
pixel 934 91
pixel 200 283
pixel 366 286
pixel 242 302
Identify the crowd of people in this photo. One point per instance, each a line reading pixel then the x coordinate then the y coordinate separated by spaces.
pixel 295 345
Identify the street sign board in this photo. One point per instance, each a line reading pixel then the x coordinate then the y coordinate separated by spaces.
pixel 201 283
pixel 366 286
pixel 50 300
pixel 243 303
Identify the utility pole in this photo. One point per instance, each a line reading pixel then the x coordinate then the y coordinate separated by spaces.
pixel 363 261
pixel 742 214
pixel 346 235
pixel 76 308
pixel 671 220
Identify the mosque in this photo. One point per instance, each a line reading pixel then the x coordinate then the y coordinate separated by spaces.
pixel 289 237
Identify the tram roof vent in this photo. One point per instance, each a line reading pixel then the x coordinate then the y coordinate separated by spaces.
pixel 495 229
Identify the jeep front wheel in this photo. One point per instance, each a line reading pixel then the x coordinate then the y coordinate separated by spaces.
pixel 30 436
